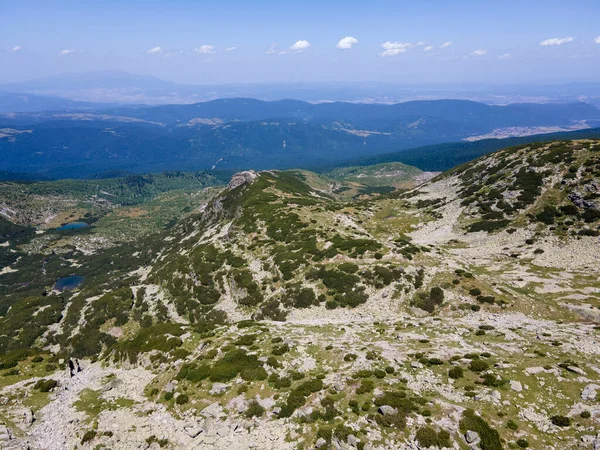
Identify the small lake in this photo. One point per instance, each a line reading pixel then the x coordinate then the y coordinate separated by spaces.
pixel 68 283
pixel 73 226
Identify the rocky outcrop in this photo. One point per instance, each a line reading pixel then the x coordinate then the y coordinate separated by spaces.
pixel 241 178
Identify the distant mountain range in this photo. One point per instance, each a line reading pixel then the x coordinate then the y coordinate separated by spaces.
pixel 127 88
pixel 248 133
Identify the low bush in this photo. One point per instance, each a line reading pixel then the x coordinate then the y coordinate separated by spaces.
pixel 456 373
pixel 490 438
pixel 182 399
pixel 478 365
pixel 254 409
pixel 560 421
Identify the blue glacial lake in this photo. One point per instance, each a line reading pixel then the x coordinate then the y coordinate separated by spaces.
pixel 73 226
pixel 68 283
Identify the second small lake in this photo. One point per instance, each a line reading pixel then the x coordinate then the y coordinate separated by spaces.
pixel 68 283
pixel 73 226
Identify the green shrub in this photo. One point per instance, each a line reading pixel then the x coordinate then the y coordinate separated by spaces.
pixel 168 396
pixel 511 424
pixel 456 373
pixel 88 436
pixel 475 292
pixel 254 410
pixel 390 369
pixel 478 365
pixel 427 437
pixel 560 421
pixel 182 399
pixel 45 385
pixel 37 359
pixel 522 443
pixel 585 414
pixel 365 386
pixel 490 438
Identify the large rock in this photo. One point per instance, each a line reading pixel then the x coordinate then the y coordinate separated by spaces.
pixel 589 392
pixel 218 388
pixel 5 433
pixel 320 443
pixel 213 410
pixel 193 430
pixel 387 410
pixel 170 387
pixel 471 436
pixel 241 178
pixel 516 386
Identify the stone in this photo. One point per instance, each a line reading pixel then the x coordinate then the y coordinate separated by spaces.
pixel 218 388
pixel 170 387
pixel 378 393
pixel 193 430
pixel 576 370
pixel 154 446
pixel 589 392
pixel 471 436
pixel 596 445
pixel 112 384
pixel 387 410
pixel 304 412
pixel 352 441
pixel 241 178
pixel 213 410
pixel 516 386
pixel 320 443
pixel 496 396
pixel 416 365
pixel 276 410
pixel 28 417
pixel 5 433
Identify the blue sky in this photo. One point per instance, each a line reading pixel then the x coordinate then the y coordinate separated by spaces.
pixel 458 41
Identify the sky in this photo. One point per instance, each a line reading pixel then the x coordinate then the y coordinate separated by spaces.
pixel 230 41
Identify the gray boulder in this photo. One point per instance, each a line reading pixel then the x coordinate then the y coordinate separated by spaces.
pixel 218 388
pixel 589 392
pixel 387 410
pixel 320 443
pixel 471 436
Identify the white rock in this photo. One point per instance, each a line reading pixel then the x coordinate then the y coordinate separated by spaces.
pixel 218 388
pixel 387 410
pixel 471 436
pixel 516 386
pixel 170 387
pixel 589 392
pixel 213 410
pixel 320 443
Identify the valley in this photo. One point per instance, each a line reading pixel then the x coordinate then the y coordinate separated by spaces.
pixel 367 307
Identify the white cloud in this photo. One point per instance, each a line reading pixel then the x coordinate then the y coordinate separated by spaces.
pixel 155 51
pixel 597 40
pixel 300 46
pixel 479 52
pixel 272 50
pixel 16 48
pixel 557 41
pixel 446 44
pixel 230 49
pixel 66 51
pixel 428 48
pixel 346 43
pixel 205 50
pixel 505 56
pixel 395 48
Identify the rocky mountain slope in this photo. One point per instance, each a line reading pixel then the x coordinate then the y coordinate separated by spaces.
pixel 283 312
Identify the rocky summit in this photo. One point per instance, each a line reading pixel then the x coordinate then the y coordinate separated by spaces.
pixel 296 310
